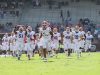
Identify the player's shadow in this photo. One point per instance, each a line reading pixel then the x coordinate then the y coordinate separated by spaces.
pixel 50 61
pixel 69 57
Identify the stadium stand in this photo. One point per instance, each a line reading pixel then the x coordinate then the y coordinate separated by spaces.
pixel 64 12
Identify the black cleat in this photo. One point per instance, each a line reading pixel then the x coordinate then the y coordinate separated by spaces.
pixel 18 58
pixel 16 55
pixel 28 57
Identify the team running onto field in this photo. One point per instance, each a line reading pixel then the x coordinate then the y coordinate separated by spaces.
pixel 74 39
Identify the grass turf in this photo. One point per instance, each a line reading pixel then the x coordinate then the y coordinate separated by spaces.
pixel 86 65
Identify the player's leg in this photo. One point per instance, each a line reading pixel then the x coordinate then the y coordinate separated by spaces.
pixel 15 49
pixel 33 49
pixel 49 52
pixel 45 49
pixel 86 46
pixel 7 50
pixel 40 46
pixel 41 52
pixel 25 49
pixel 66 49
pixel 77 49
pixel 11 49
pixel 28 55
pixel 45 54
pixel 39 49
pixel 68 52
pixel 89 48
pixel 19 51
pixel 81 47
pixel 28 51
pixel 52 49
pixel 55 51
pixel 69 49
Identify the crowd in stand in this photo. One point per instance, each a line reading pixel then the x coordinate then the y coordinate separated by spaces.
pixel 10 7
pixel 86 23
pixel 7 27
pixel 12 13
pixel 13 4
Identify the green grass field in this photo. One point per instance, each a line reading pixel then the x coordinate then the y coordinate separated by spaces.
pixel 86 65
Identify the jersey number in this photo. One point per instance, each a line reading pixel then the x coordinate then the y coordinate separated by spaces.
pixel 20 36
pixel 76 36
pixel 67 37
pixel 55 37
pixel 28 36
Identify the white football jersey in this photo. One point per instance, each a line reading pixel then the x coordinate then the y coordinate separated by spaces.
pixel 76 35
pixel 67 35
pixel 82 33
pixel 20 36
pixel 5 39
pixel 89 37
pixel 12 38
pixel 46 33
pixel 56 37
pixel 30 35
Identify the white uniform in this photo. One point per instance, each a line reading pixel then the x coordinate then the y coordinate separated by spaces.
pixel 88 41
pixel 12 43
pixel 67 40
pixel 30 44
pixel 0 47
pixel 55 40
pixel 76 36
pixel 33 40
pixel 45 39
pixel 20 40
pixel 5 43
pixel 82 33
